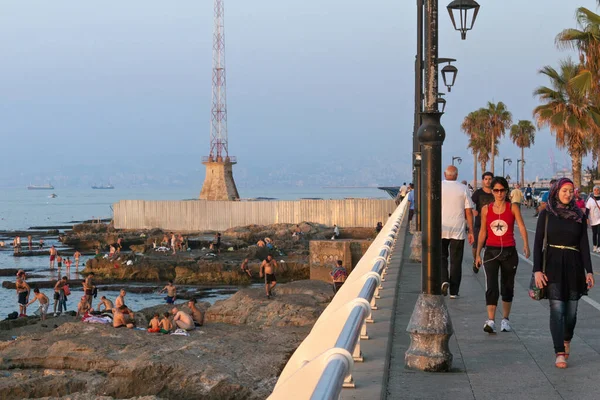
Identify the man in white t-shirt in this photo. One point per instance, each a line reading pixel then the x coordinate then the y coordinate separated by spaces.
pixel 593 213
pixel 457 215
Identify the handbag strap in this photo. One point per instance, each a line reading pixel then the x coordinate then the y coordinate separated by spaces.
pixel 545 246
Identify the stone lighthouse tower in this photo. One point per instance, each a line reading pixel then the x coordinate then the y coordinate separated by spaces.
pixel 219 183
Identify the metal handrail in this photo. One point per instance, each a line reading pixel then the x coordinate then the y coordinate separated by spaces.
pixel 323 362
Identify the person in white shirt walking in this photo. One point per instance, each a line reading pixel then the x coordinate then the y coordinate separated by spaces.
pixel 593 214
pixel 457 215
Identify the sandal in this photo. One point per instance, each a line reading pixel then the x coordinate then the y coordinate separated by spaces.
pixel 567 350
pixel 561 361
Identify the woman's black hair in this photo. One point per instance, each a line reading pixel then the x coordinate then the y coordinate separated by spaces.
pixel 501 181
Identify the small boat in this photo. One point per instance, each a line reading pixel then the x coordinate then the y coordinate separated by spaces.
pixel 109 186
pixel 53 196
pixel 40 187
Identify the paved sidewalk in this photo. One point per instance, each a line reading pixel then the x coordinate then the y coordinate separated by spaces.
pixel 508 365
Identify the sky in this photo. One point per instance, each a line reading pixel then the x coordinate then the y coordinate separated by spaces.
pixel 318 92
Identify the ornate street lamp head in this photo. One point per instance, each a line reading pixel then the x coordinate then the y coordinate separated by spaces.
pixel 449 73
pixel 441 104
pixel 466 13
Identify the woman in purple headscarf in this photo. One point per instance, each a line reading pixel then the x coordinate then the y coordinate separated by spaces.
pixel 569 272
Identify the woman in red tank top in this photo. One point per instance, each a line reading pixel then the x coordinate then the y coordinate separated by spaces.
pixel 500 255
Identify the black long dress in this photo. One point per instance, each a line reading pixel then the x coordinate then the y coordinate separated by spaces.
pixel 566 269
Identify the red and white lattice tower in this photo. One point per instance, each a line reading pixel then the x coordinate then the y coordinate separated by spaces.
pixel 218 126
pixel 219 183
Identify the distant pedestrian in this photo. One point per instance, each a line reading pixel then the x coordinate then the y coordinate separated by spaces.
pixel 88 288
pixel 59 261
pixel 217 242
pixel 245 269
pixel 76 256
pixel 22 293
pixel 411 202
pixel 457 216
pixel 44 302
pixel 171 292
pixel 336 232
pixel 593 215
pixel 338 276
pixel 579 201
pixel 497 234
pixel 516 196
pixel 529 196
pixel 378 227
pixel 401 193
pixel 544 199
pixel 569 274
pixel 481 198
pixel 196 313
pixel 267 268
pixel 29 242
pixel 60 296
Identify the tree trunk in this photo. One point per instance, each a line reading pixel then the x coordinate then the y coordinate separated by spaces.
pixel 522 166
pixel 483 167
pixel 493 155
pixel 576 165
pixel 474 170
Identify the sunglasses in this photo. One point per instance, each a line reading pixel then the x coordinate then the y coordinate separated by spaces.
pixel 498 190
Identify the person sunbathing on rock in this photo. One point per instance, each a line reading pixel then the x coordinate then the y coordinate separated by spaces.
pixel 154 326
pixel 83 307
pixel 182 319
pixel 165 324
pixel 119 319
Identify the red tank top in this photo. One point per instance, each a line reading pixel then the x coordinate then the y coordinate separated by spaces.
pixel 500 227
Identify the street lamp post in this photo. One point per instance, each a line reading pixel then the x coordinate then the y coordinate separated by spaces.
pixel 458 159
pixel 430 326
pixel 522 181
pixel 504 161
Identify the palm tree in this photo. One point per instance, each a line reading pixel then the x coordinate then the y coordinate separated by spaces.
pixel 499 119
pixel 474 126
pixel 569 113
pixel 523 135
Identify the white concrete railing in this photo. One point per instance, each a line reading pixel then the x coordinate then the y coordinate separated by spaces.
pixel 322 365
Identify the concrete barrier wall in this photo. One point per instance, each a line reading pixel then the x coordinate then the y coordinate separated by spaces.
pixel 198 215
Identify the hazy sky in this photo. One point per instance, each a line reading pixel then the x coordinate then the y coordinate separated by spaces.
pixel 126 84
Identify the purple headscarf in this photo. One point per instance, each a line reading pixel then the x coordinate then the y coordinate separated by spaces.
pixel 565 211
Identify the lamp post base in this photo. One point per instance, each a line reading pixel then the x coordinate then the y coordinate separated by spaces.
pixel 430 329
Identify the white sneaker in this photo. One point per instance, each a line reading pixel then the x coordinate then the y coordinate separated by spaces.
pixel 505 326
pixel 489 326
pixel 56 314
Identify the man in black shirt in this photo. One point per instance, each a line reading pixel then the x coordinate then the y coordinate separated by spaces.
pixel 481 198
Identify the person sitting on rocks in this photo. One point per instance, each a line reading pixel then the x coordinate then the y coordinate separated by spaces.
pixel 44 302
pixel 182 319
pixel 267 268
pixel 197 314
pixel 83 307
pixel 108 305
pixel 165 324
pixel 165 241
pixel 379 227
pixel 171 292
pixel 154 326
pixel 120 302
pixel 338 276
pixel 119 318
pixel 245 269
pixel 269 243
pixel 111 252
pixel 336 232
pixel 260 243
pixel 97 255
pixel 297 232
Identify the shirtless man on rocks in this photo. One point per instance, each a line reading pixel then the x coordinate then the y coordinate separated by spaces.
pixel 52 256
pixel 182 319
pixel 197 314
pixel 267 268
pixel 108 305
pixel 120 303
pixel 119 318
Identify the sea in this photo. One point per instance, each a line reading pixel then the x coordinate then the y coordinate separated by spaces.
pixel 22 209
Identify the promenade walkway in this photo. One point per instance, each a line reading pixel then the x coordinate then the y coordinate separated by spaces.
pixel 508 365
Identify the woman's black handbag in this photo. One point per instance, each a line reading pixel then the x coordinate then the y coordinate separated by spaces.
pixel 535 292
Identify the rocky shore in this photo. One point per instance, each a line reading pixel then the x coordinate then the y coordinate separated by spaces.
pixel 237 354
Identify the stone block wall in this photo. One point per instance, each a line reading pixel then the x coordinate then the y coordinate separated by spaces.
pixel 325 253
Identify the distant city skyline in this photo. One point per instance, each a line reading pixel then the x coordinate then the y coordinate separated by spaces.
pixel 318 92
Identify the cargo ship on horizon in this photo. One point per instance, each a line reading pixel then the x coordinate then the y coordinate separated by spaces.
pixel 109 186
pixel 40 187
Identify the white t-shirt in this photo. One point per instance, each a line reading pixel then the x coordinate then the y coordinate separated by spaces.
pixel 403 190
pixel 455 199
pixel 594 207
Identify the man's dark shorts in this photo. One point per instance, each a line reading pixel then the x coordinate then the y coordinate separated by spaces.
pixel 270 278
pixel 23 298
pixel 170 300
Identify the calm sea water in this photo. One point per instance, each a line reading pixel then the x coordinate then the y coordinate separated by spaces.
pixel 21 209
